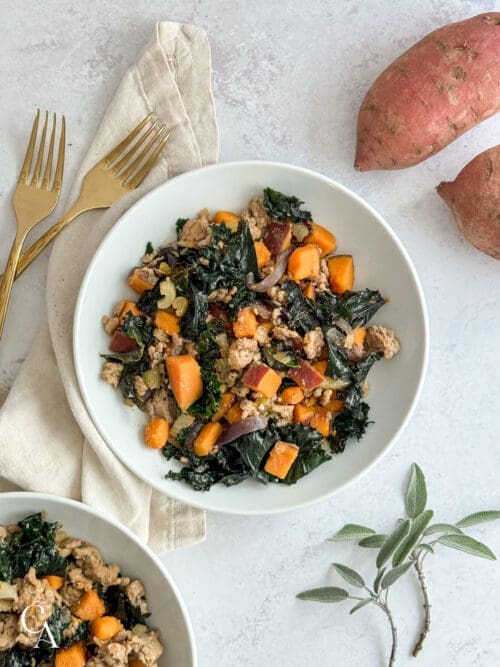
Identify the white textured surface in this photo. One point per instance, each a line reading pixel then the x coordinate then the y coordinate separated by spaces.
pixel 288 80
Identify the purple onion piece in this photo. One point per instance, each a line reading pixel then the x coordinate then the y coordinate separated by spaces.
pixel 192 434
pixel 274 276
pixel 234 431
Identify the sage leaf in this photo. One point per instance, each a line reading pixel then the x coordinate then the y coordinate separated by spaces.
pixel 416 494
pixel 325 594
pixel 426 547
pixel 378 579
pixel 373 541
pixel 351 531
pixel 467 544
pixel 441 528
pixel 394 574
pixel 392 542
pixel 417 528
pixel 479 517
pixel 360 605
pixel 351 576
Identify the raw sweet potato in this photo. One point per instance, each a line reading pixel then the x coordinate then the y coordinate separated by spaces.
pixel 106 627
pixel 341 273
pixel 207 438
pixel 474 198
pixel 73 656
pixel 89 607
pixel 156 433
pixel 184 375
pixel 438 89
pixel 281 458
pixel 304 262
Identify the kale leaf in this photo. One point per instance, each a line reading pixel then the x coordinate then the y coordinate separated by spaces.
pixel 359 307
pixel 149 248
pixel 118 604
pixel 179 226
pixel 299 309
pixel 134 327
pixel 148 301
pixel 208 351
pixel 33 546
pixel 338 366
pixel 284 207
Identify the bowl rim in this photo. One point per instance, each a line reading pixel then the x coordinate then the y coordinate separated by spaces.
pixel 402 250
pixel 109 518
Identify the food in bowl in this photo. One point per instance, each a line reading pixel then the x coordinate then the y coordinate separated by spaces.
pixel 247 345
pixel 58 590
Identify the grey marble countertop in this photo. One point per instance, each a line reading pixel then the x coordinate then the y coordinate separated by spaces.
pixel 288 80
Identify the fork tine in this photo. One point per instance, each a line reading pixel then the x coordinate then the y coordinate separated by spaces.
pixel 41 150
pixel 146 168
pixel 25 169
pixel 136 163
pixel 140 142
pixel 111 157
pixel 50 155
pixel 58 178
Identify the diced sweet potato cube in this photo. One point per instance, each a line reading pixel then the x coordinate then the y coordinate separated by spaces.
pixel 262 252
pixel 305 375
pixel 54 581
pixel 167 322
pixel 359 337
pixel 278 237
pixel 324 239
pixel 184 375
pixel 335 405
pixel 281 458
pixel 227 400
pixel 234 414
pixel 127 308
pixel 263 379
pixel 321 366
pixel 141 280
pixel 206 439
pixel 309 292
pixel 341 272
pixel 89 607
pixel 292 395
pixel 106 627
pixel 304 262
pixel 245 325
pixel 156 433
pixel 72 656
pixel 230 219
pixel 302 414
pixel 321 420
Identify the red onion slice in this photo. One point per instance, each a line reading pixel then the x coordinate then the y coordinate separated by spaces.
pixel 274 276
pixel 234 431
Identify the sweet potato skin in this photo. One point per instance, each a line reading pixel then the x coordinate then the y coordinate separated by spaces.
pixel 438 89
pixel 474 199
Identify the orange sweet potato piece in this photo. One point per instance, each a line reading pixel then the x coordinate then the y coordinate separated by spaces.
pixel 309 292
pixel 133 662
pixel 245 325
pixel 184 375
pixel 156 433
pixel 207 438
pixel 89 607
pixel 234 414
pixel 321 366
pixel 281 458
pixel 359 337
pixel 126 308
pixel 227 400
pixel 106 627
pixel 54 581
pixel 305 375
pixel 140 280
pixel 341 270
pixel 262 252
pixel 226 216
pixel 324 239
pixel 304 262
pixel 321 420
pixel 335 405
pixel 292 395
pixel 167 322
pixel 263 379
pixel 73 656
pixel 302 414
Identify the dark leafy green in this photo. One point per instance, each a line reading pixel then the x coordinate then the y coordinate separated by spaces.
pixel 118 604
pixel 338 366
pixel 179 225
pixel 148 301
pixel 208 351
pixel 134 327
pixel 299 310
pixel 359 307
pixel 149 248
pixel 284 207
pixel 33 546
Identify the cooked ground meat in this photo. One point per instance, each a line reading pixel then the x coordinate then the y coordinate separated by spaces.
pixel 381 339
pixel 242 352
pixel 37 594
pixel 111 372
pixel 8 631
pixel 196 232
pixel 136 595
pixel 313 343
pixel 141 388
pixel 92 564
pixel 160 405
pixel 110 324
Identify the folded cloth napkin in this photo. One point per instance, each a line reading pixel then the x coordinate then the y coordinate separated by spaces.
pixel 61 451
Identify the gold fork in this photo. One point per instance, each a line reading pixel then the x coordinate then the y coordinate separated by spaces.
pixel 33 200
pixel 122 170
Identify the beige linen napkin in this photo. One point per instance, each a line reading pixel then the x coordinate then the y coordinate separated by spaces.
pixel 59 450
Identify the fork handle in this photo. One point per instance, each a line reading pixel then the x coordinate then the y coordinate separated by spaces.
pixel 7 279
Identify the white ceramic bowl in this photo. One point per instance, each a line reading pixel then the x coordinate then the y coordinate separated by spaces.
pixel 381 263
pixel 118 545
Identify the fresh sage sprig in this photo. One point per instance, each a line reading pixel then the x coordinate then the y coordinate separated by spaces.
pixel 413 539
